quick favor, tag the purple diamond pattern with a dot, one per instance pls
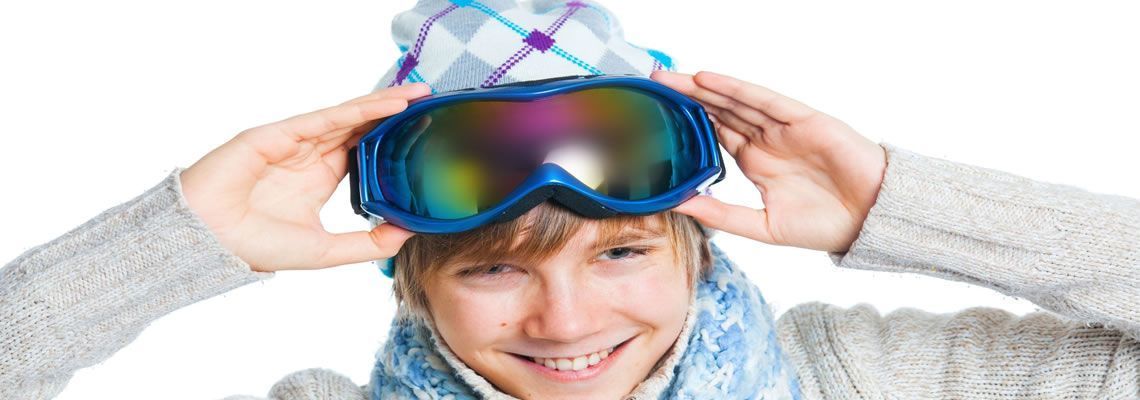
(406, 68)
(498, 24)
(539, 40)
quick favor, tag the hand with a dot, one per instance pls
(261, 192)
(818, 178)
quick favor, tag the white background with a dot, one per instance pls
(100, 100)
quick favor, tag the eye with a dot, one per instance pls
(618, 253)
(498, 269)
(487, 271)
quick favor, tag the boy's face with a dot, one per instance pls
(571, 310)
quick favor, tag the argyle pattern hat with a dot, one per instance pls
(459, 44)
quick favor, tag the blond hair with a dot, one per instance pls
(537, 235)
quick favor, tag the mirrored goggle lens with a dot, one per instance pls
(460, 160)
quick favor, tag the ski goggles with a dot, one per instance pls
(600, 145)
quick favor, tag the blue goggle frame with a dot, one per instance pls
(548, 181)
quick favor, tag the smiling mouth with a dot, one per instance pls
(576, 363)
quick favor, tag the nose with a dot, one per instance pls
(564, 310)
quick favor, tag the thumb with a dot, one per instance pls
(743, 221)
(383, 241)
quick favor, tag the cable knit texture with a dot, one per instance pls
(74, 301)
(1072, 252)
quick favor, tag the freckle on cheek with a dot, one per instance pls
(503, 324)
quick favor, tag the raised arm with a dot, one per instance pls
(824, 185)
(76, 300)
(1070, 251)
(246, 209)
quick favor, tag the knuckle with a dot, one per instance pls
(327, 123)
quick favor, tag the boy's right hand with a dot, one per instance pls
(262, 191)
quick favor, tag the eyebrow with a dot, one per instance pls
(626, 236)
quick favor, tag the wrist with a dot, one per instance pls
(194, 205)
(868, 192)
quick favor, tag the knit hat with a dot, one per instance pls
(459, 44)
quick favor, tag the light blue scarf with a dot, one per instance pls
(731, 353)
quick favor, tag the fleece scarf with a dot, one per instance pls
(727, 350)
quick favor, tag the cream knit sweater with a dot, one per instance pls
(76, 300)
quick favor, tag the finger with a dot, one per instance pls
(346, 139)
(708, 98)
(730, 138)
(758, 121)
(782, 108)
(383, 241)
(742, 221)
(328, 120)
(407, 91)
(278, 141)
(337, 157)
(349, 136)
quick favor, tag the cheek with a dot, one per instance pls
(659, 297)
(471, 321)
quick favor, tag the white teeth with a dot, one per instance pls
(580, 364)
(574, 364)
(594, 359)
(564, 364)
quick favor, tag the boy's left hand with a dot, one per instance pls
(818, 178)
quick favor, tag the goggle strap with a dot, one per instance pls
(354, 183)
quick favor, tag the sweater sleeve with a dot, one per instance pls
(312, 384)
(77, 299)
(1072, 252)
(977, 353)
(1069, 251)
